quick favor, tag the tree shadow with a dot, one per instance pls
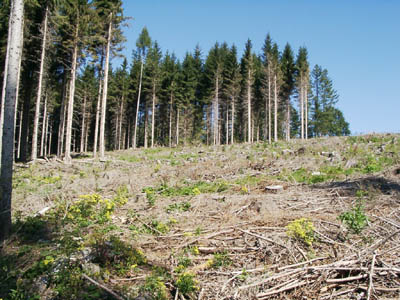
(350, 187)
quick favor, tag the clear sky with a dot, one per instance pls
(358, 41)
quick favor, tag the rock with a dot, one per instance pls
(301, 151)
(91, 268)
(316, 173)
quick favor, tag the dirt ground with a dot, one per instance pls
(233, 204)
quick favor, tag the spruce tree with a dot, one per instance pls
(288, 84)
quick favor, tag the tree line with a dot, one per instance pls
(61, 94)
(71, 100)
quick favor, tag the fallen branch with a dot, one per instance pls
(371, 274)
(103, 287)
(347, 279)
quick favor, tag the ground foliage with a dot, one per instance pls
(200, 223)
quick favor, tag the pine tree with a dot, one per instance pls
(7, 150)
(288, 84)
(302, 75)
(142, 44)
(247, 71)
(267, 60)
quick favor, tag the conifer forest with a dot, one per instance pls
(228, 173)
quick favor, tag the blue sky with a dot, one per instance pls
(358, 41)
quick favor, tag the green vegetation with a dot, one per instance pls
(355, 218)
(302, 230)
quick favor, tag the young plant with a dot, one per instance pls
(355, 219)
(301, 229)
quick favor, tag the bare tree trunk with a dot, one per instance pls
(121, 116)
(39, 90)
(105, 87)
(137, 106)
(19, 134)
(44, 126)
(153, 111)
(215, 112)
(50, 139)
(302, 106)
(227, 125)
(83, 123)
(177, 126)
(275, 110)
(269, 107)
(87, 134)
(306, 110)
(146, 122)
(170, 120)
(233, 120)
(3, 91)
(71, 99)
(7, 157)
(116, 131)
(249, 107)
(288, 120)
(46, 132)
(61, 127)
(96, 126)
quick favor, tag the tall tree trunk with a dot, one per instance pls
(302, 106)
(288, 120)
(177, 126)
(3, 91)
(87, 134)
(227, 125)
(249, 107)
(19, 135)
(146, 123)
(306, 110)
(39, 90)
(105, 88)
(153, 112)
(170, 120)
(44, 126)
(233, 120)
(7, 157)
(83, 123)
(46, 133)
(71, 99)
(61, 126)
(121, 116)
(269, 107)
(96, 126)
(137, 106)
(50, 139)
(275, 110)
(216, 112)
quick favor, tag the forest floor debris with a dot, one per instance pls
(210, 223)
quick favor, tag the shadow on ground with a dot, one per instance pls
(350, 187)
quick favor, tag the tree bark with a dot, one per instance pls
(39, 90)
(146, 122)
(137, 107)
(275, 110)
(3, 91)
(306, 110)
(177, 126)
(7, 157)
(233, 120)
(19, 135)
(71, 97)
(170, 120)
(61, 126)
(153, 111)
(44, 126)
(83, 124)
(302, 106)
(269, 106)
(288, 120)
(46, 133)
(249, 107)
(96, 127)
(105, 87)
(121, 116)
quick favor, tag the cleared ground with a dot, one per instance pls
(318, 219)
